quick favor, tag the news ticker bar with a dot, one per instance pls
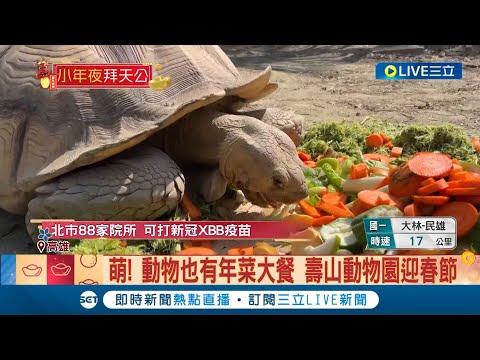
(167, 270)
(381, 233)
(314, 299)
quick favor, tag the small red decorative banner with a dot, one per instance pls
(102, 75)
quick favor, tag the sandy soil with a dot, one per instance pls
(338, 82)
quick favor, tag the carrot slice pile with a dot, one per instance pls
(368, 199)
(465, 213)
(433, 165)
(470, 191)
(429, 181)
(308, 209)
(403, 182)
(334, 197)
(433, 188)
(334, 210)
(431, 200)
(464, 184)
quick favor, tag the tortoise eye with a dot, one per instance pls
(278, 182)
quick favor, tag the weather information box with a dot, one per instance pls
(428, 233)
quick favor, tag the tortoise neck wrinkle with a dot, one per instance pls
(204, 138)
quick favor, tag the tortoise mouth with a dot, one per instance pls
(261, 199)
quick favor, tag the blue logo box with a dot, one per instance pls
(418, 71)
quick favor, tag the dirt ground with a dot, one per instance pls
(338, 82)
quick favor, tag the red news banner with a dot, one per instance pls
(249, 270)
(243, 270)
(100, 76)
(211, 230)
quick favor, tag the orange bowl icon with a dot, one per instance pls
(32, 270)
(88, 282)
(61, 269)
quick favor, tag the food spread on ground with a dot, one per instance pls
(355, 171)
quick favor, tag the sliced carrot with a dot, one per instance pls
(429, 181)
(403, 182)
(334, 210)
(334, 197)
(369, 197)
(426, 209)
(433, 188)
(428, 164)
(464, 184)
(384, 159)
(465, 213)
(385, 138)
(456, 167)
(470, 191)
(304, 156)
(457, 175)
(308, 209)
(372, 198)
(396, 152)
(389, 145)
(323, 220)
(431, 200)
(359, 207)
(383, 183)
(189, 208)
(476, 144)
(383, 199)
(344, 207)
(240, 251)
(455, 162)
(299, 221)
(474, 200)
(310, 164)
(358, 171)
(374, 140)
(197, 251)
(412, 210)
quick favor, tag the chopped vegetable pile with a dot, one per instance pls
(398, 182)
(348, 138)
(353, 172)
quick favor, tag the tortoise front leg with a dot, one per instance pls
(140, 184)
(287, 121)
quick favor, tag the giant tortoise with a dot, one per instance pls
(125, 154)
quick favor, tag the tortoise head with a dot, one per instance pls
(264, 164)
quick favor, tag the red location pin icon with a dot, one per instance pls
(41, 245)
